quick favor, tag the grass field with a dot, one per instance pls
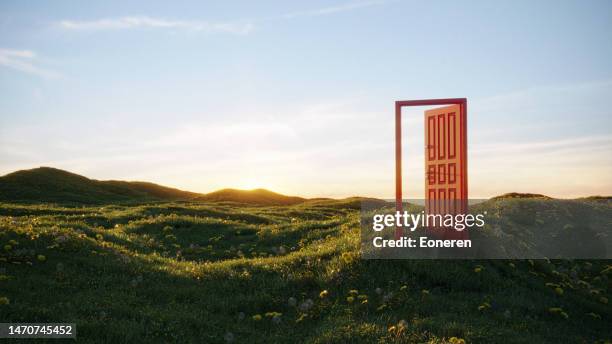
(221, 272)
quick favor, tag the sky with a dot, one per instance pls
(298, 97)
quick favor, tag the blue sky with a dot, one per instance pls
(298, 96)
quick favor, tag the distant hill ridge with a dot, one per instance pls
(47, 184)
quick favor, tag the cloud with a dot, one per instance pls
(22, 60)
(136, 22)
(335, 9)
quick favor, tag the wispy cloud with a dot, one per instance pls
(135, 22)
(24, 61)
(335, 9)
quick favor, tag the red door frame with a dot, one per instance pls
(398, 140)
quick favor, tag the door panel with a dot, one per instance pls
(446, 150)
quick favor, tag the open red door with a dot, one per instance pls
(445, 164)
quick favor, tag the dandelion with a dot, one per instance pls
(594, 315)
(477, 270)
(256, 317)
(323, 294)
(455, 340)
(41, 258)
(484, 306)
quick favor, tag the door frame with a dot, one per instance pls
(399, 104)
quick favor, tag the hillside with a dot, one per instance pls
(221, 273)
(51, 185)
(257, 196)
(46, 184)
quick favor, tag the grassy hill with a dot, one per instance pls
(217, 273)
(257, 196)
(46, 184)
(51, 185)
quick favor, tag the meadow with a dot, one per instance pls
(218, 272)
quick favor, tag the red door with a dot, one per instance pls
(445, 156)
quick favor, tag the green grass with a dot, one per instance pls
(192, 273)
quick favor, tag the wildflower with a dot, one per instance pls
(484, 306)
(402, 324)
(4, 300)
(323, 294)
(594, 315)
(41, 258)
(292, 302)
(477, 270)
(256, 317)
(455, 340)
(229, 337)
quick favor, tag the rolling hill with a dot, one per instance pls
(46, 184)
(257, 196)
